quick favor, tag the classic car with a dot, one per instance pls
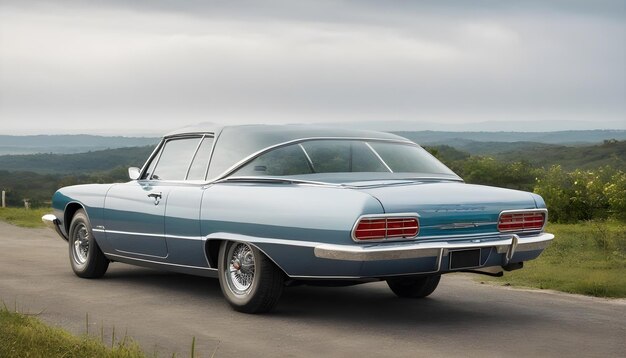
(262, 207)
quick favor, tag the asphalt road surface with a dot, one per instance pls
(164, 311)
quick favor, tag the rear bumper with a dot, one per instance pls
(510, 245)
(52, 222)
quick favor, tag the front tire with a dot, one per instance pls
(86, 258)
(250, 282)
(414, 287)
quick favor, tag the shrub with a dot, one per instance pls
(583, 195)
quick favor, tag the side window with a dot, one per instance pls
(288, 160)
(342, 157)
(409, 159)
(201, 161)
(175, 158)
(150, 169)
(329, 156)
(364, 160)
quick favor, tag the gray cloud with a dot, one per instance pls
(147, 67)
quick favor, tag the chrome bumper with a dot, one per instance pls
(509, 244)
(52, 222)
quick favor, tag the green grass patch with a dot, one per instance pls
(24, 217)
(587, 258)
(26, 336)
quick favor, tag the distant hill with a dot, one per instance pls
(493, 148)
(472, 142)
(611, 153)
(458, 139)
(67, 143)
(584, 156)
(80, 163)
(484, 126)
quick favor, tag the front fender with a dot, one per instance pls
(89, 197)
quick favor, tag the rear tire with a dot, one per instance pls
(86, 258)
(250, 282)
(414, 287)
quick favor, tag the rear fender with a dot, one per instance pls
(275, 249)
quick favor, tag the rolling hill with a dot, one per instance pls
(67, 144)
(80, 163)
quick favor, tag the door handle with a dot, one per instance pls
(156, 197)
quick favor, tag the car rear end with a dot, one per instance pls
(439, 227)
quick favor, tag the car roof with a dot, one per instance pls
(237, 144)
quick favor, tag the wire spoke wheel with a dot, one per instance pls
(81, 244)
(241, 268)
(86, 258)
(250, 281)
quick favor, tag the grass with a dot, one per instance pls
(30, 218)
(26, 336)
(587, 258)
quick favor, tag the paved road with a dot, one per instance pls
(163, 311)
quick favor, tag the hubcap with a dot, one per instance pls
(81, 244)
(240, 274)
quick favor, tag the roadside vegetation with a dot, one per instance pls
(587, 258)
(26, 336)
(587, 215)
(30, 218)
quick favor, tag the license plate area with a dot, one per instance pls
(464, 259)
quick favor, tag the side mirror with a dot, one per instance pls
(133, 173)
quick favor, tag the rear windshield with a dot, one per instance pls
(343, 156)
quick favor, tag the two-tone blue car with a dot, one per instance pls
(262, 207)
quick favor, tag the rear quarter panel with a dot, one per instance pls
(285, 221)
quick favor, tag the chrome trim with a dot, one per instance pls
(194, 156)
(146, 255)
(152, 156)
(150, 235)
(263, 240)
(483, 235)
(385, 216)
(216, 136)
(401, 181)
(269, 179)
(379, 157)
(178, 137)
(510, 243)
(516, 211)
(330, 278)
(308, 158)
(254, 241)
(453, 226)
(53, 223)
(159, 262)
(134, 173)
(511, 251)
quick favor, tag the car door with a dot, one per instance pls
(182, 214)
(134, 212)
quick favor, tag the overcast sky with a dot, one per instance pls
(145, 67)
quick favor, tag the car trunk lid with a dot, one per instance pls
(450, 208)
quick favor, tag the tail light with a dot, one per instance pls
(383, 228)
(521, 221)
